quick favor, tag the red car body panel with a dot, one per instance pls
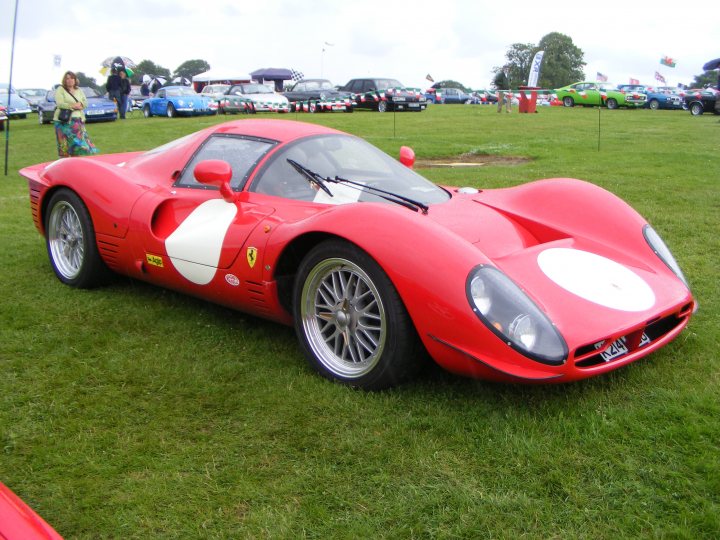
(136, 209)
(20, 522)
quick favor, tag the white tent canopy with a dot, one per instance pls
(219, 76)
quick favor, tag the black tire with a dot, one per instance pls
(568, 101)
(349, 109)
(654, 104)
(70, 241)
(382, 106)
(612, 103)
(696, 108)
(146, 111)
(313, 107)
(351, 322)
(170, 111)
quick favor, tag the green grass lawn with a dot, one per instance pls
(134, 412)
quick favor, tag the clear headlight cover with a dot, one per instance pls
(663, 252)
(508, 312)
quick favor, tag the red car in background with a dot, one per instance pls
(552, 281)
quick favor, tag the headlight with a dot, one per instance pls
(506, 310)
(663, 252)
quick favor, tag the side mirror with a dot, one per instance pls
(218, 173)
(407, 156)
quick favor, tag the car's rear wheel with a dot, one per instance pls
(612, 103)
(312, 107)
(351, 322)
(382, 106)
(171, 112)
(568, 101)
(654, 104)
(70, 240)
(696, 109)
(146, 111)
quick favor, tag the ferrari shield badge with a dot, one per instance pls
(251, 256)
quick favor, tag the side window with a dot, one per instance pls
(161, 94)
(242, 154)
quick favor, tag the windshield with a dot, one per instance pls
(181, 91)
(89, 92)
(350, 158)
(255, 89)
(384, 84)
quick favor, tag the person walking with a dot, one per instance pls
(114, 87)
(124, 93)
(72, 137)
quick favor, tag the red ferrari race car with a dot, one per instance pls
(552, 281)
(20, 522)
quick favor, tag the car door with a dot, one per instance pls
(159, 104)
(189, 237)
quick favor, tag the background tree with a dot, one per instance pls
(563, 62)
(451, 84)
(190, 68)
(84, 80)
(709, 77)
(515, 71)
(147, 67)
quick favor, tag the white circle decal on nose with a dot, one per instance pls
(597, 279)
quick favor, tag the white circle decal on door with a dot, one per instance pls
(597, 279)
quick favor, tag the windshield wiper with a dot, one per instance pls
(318, 180)
(407, 202)
(313, 177)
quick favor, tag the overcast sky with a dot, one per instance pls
(342, 39)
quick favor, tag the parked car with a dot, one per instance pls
(33, 96)
(380, 94)
(15, 106)
(173, 101)
(234, 104)
(136, 98)
(215, 91)
(99, 109)
(262, 97)
(595, 94)
(20, 522)
(455, 95)
(318, 95)
(372, 263)
(656, 99)
(702, 100)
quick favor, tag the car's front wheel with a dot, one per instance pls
(171, 112)
(351, 322)
(382, 106)
(70, 239)
(612, 103)
(654, 104)
(696, 109)
(146, 111)
(568, 101)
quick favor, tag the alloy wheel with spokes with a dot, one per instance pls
(351, 322)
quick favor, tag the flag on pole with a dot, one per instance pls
(429, 78)
(667, 61)
(601, 77)
(535, 68)
(659, 77)
(297, 75)
(634, 81)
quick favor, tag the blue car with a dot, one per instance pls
(99, 108)
(656, 98)
(172, 101)
(18, 107)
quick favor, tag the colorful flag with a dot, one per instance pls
(667, 61)
(634, 81)
(297, 75)
(429, 78)
(659, 77)
(600, 77)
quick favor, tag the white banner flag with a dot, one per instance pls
(535, 69)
